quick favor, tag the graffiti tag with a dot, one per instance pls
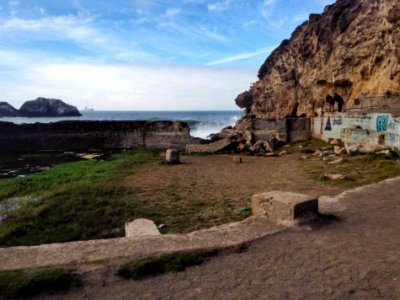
(337, 122)
(382, 123)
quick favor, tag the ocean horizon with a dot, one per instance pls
(202, 123)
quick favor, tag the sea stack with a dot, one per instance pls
(43, 107)
(352, 48)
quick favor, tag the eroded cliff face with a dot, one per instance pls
(352, 48)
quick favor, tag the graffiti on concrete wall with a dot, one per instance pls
(337, 121)
(328, 126)
(382, 123)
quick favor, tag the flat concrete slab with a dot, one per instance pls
(282, 206)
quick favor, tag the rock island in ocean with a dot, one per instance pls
(41, 107)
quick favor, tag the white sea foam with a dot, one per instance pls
(205, 129)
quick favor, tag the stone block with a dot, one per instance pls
(237, 159)
(282, 206)
(172, 156)
(140, 227)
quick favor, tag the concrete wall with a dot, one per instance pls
(86, 135)
(286, 130)
(298, 129)
(371, 130)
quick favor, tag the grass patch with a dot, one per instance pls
(20, 283)
(74, 175)
(175, 262)
(73, 201)
(315, 144)
(359, 169)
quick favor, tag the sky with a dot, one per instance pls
(141, 54)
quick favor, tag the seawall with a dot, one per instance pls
(89, 135)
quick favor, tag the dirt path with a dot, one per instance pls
(356, 258)
(218, 176)
(210, 190)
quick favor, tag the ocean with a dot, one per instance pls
(201, 123)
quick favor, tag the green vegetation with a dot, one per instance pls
(93, 199)
(175, 262)
(30, 283)
(359, 169)
(73, 201)
(315, 144)
(74, 175)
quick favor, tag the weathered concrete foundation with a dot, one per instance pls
(88, 135)
(283, 206)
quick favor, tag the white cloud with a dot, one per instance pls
(219, 6)
(268, 8)
(76, 28)
(123, 87)
(172, 12)
(242, 56)
(63, 27)
(249, 23)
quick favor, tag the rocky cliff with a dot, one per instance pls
(352, 48)
(6, 110)
(43, 107)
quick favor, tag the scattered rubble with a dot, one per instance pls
(237, 159)
(335, 177)
(336, 161)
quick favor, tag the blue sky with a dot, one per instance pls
(140, 54)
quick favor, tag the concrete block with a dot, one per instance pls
(172, 156)
(237, 159)
(282, 206)
(140, 227)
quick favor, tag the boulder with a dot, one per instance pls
(336, 142)
(339, 150)
(140, 227)
(43, 107)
